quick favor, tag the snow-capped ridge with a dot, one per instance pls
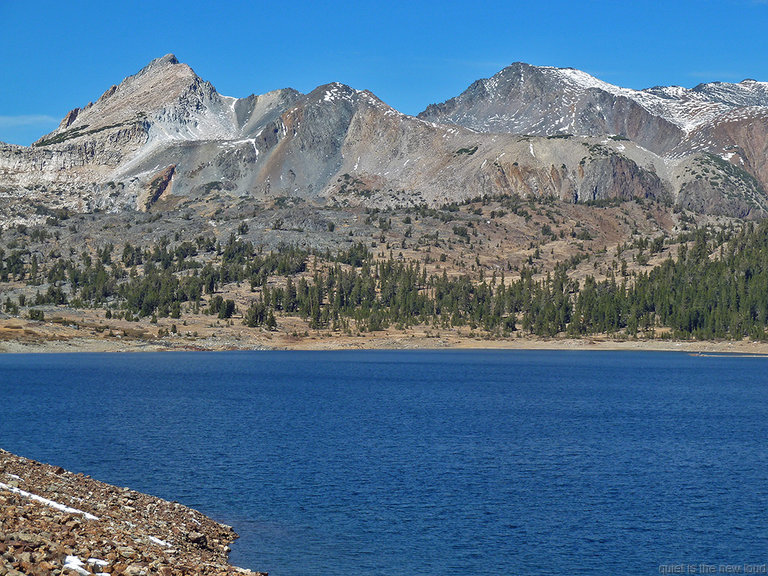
(546, 100)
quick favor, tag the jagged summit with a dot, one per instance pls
(162, 62)
(167, 59)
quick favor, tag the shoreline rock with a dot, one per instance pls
(60, 523)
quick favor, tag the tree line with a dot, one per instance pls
(717, 287)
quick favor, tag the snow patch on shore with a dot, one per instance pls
(74, 563)
(47, 502)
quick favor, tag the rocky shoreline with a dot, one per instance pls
(57, 522)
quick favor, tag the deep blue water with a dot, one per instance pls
(421, 463)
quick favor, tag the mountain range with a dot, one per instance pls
(164, 139)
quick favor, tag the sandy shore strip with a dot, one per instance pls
(82, 331)
(382, 342)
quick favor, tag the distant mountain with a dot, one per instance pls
(164, 138)
(726, 120)
(545, 101)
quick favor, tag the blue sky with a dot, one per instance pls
(60, 55)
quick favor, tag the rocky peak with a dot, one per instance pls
(164, 100)
(156, 85)
(167, 60)
(158, 65)
(334, 92)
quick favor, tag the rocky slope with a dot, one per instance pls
(57, 522)
(165, 139)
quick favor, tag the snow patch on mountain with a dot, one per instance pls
(685, 108)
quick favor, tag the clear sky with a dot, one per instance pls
(58, 55)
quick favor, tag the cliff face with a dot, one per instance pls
(528, 130)
(739, 136)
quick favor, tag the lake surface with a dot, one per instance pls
(421, 462)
